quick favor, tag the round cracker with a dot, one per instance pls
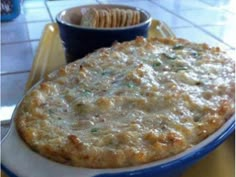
(134, 18)
(118, 17)
(107, 19)
(109, 22)
(138, 17)
(101, 19)
(89, 19)
(129, 15)
(96, 18)
(123, 18)
(113, 18)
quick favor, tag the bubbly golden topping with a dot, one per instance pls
(130, 104)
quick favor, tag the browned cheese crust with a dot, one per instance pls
(133, 103)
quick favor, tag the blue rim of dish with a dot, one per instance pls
(191, 156)
(148, 20)
(7, 171)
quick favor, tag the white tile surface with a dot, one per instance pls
(228, 5)
(34, 46)
(12, 90)
(33, 3)
(175, 5)
(35, 30)
(14, 33)
(31, 15)
(227, 34)
(22, 32)
(196, 35)
(16, 57)
(212, 16)
(36, 14)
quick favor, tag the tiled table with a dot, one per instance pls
(211, 21)
(208, 21)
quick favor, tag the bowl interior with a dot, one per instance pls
(73, 15)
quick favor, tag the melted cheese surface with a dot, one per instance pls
(130, 104)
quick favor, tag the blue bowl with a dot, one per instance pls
(78, 41)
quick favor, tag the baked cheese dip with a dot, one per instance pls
(133, 103)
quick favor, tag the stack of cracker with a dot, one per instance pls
(110, 18)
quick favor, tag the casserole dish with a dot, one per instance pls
(168, 167)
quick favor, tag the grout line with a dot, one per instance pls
(24, 22)
(39, 7)
(205, 25)
(19, 42)
(207, 3)
(48, 10)
(180, 27)
(14, 72)
(216, 25)
(211, 8)
(194, 25)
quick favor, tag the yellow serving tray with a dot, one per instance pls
(50, 56)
